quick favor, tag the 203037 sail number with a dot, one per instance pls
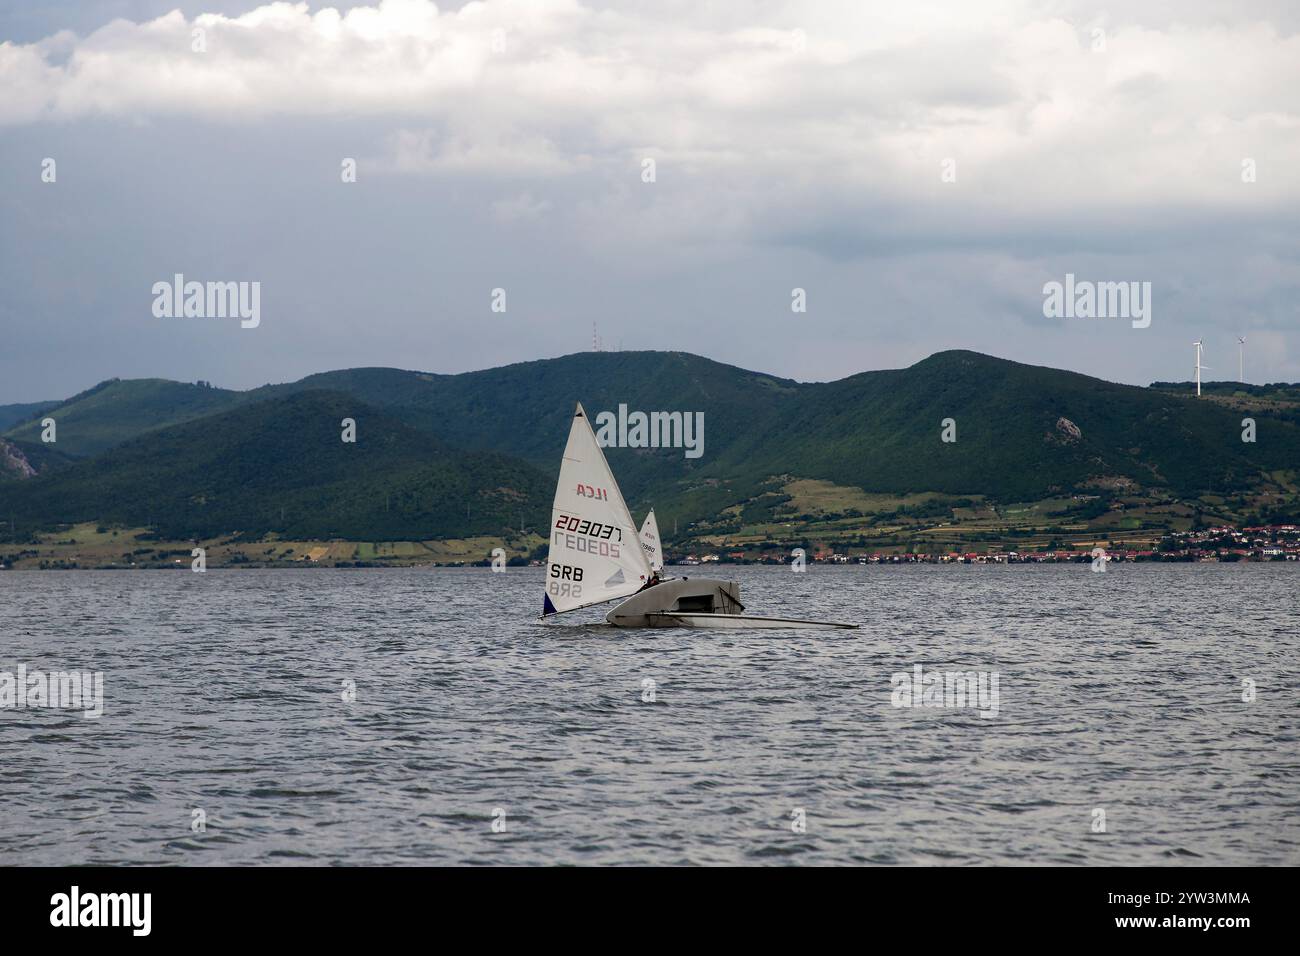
(595, 529)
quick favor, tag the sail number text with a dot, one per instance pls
(594, 529)
(568, 583)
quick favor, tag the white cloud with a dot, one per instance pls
(797, 144)
(846, 96)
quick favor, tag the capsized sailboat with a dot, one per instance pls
(596, 555)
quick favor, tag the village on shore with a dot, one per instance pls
(90, 547)
(1265, 543)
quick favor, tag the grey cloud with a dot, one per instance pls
(820, 173)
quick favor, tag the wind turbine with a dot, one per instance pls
(1199, 366)
(1241, 359)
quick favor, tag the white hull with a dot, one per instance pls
(741, 622)
(699, 602)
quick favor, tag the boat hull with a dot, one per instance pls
(684, 595)
(699, 602)
(742, 622)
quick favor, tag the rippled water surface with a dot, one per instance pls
(224, 692)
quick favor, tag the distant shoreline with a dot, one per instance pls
(90, 546)
(674, 570)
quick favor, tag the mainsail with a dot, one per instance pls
(650, 542)
(595, 552)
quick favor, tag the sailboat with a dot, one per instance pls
(650, 542)
(597, 555)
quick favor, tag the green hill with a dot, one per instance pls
(1022, 432)
(1279, 400)
(525, 409)
(174, 454)
(11, 415)
(520, 410)
(281, 467)
(20, 460)
(115, 411)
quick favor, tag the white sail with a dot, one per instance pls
(650, 541)
(595, 552)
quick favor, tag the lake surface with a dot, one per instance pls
(224, 692)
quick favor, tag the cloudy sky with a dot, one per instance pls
(503, 144)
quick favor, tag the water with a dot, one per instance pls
(1120, 691)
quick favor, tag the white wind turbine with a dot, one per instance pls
(1241, 359)
(1199, 366)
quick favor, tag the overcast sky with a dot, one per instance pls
(502, 145)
